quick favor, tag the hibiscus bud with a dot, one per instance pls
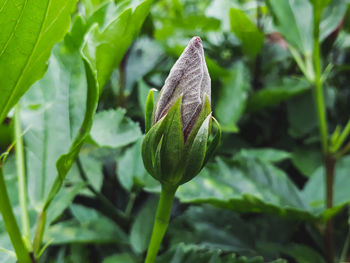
(188, 77)
(175, 147)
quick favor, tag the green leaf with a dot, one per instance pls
(131, 171)
(307, 159)
(270, 155)
(191, 253)
(303, 254)
(314, 190)
(125, 258)
(66, 160)
(112, 129)
(302, 116)
(332, 16)
(247, 32)
(62, 201)
(277, 92)
(246, 185)
(29, 29)
(89, 226)
(232, 98)
(294, 19)
(106, 49)
(52, 111)
(141, 229)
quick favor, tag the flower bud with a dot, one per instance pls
(175, 147)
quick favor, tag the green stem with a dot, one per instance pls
(40, 228)
(21, 174)
(161, 222)
(11, 223)
(329, 160)
(130, 204)
(318, 91)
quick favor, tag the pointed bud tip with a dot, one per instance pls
(196, 41)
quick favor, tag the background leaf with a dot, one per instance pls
(29, 31)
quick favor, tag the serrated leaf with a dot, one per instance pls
(93, 228)
(113, 129)
(29, 29)
(246, 185)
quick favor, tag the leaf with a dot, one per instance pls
(88, 227)
(276, 93)
(302, 116)
(53, 118)
(141, 229)
(270, 155)
(294, 19)
(303, 254)
(247, 32)
(98, 65)
(246, 185)
(332, 16)
(29, 29)
(216, 228)
(191, 253)
(53, 111)
(62, 201)
(307, 159)
(232, 98)
(100, 47)
(314, 190)
(125, 258)
(131, 171)
(112, 129)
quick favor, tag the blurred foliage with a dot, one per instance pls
(261, 199)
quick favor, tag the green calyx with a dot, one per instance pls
(167, 155)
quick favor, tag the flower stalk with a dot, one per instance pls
(176, 145)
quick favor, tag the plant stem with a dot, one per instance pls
(40, 228)
(330, 172)
(21, 174)
(329, 160)
(11, 223)
(161, 222)
(318, 91)
(122, 80)
(130, 204)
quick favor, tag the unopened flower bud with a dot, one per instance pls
(175, 147)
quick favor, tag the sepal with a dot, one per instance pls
(197, 152)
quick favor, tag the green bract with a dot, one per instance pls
(176, 145)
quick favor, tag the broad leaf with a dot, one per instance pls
(29, 29)
(246, 184)
(247, 32)
(113, 129)
(294, 19)
(232, 98)
(276, 92)
(104, 50)
(88, 226)
(314, 190)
